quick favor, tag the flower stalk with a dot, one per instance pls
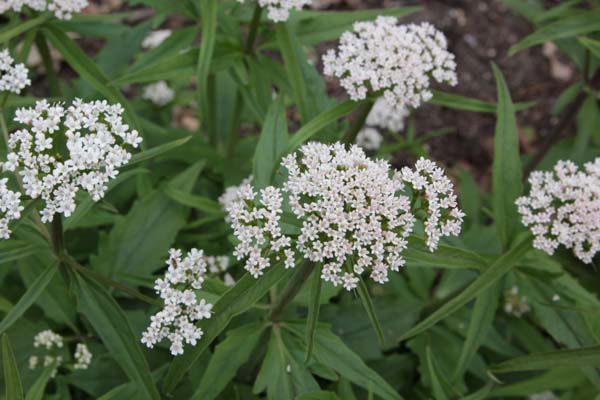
(291, 290)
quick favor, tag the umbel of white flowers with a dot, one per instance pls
(62, 9)
(279, 10)
(398, 60)
(354, 215)
(176, 321)
(96, 143)
(158, 93)
(10, 208)
(51, 342)
(563, 207)
(13, 77)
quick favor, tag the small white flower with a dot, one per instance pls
(97, 144)
(176, 321)
(48, 339)
(563, 207)
(83, 356)
(369, 139)
(232, 194)
(155, 38)
(399, 60)
(33, 362)
(515, 304)
(556, 297)
(159, 93)
(10, 208)
(279, 10)
(13, 77)
(62, 9)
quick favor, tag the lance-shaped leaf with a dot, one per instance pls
(12, 377)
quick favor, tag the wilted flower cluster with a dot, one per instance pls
(255, 223)
(82, 356)
(369, 139)
(563, 207)
(176, 321)
(279, 10)
(95, 143)
(155, 38)
(353, 214)
(13, 77)
(436, 191)
(10, 208)
(62, 9)
(159, 93)
(399, 60)
(514, 303)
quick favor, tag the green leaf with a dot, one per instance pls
(482, 318)
(157, 151)
(208, 11)
(271, 145)
(164, 68)
(16, 29)
(86, 68)
(14, 250)
(293, 68)
(205, 204)
(417, 253)
(228, 357)
(568, 358)
(507, 172)
(239, 298)
(313, 310)
(320, 395)
(458, 102)
(579, 24)
(438, 389)
(367, 302)
(551, 380)
(320, 122)
(112, 326)
(12, 377)
(481, 394)
(487, 278)
(28, 298)
(592, 45)
(37, 390)
(331, 351)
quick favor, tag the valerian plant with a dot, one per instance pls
(164, 235)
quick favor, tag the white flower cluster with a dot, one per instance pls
(563, 207)
(96, 142)
(279, 10)
(369, 139)
(232, 194)
(82, 356)
(13, 77)
(256, 225)
(385, 116)
(515, 304)
(399, 60)
(430, 183)
(218, 265)
(159, 93)
(176, 321)
(49, 341)
(155, 38)
(10, 208)
(353, 215)
(62, 9)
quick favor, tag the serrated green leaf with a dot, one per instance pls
(12, 377)
(271, 145)
(28, 298)
(487, 278)
(228, 356)
(579, 24)
(239, 298)
(507, 172)
(111, 324)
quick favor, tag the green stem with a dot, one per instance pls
(58, 238)
(252, 33)
(71, 262)
(291, 290)
(349, 136)
(51, 75)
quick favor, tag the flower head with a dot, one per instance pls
(13, 77)
(385, 116)
(82, 356)
(563, 207)
(514, 303)
(279, 10)
(182, 308)
(436, 191)
(10, 208)
(62, 9)
(155, 38)
(159, 93)
(399, 60)
(94, 143)
(48, 339)
(369, 138)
